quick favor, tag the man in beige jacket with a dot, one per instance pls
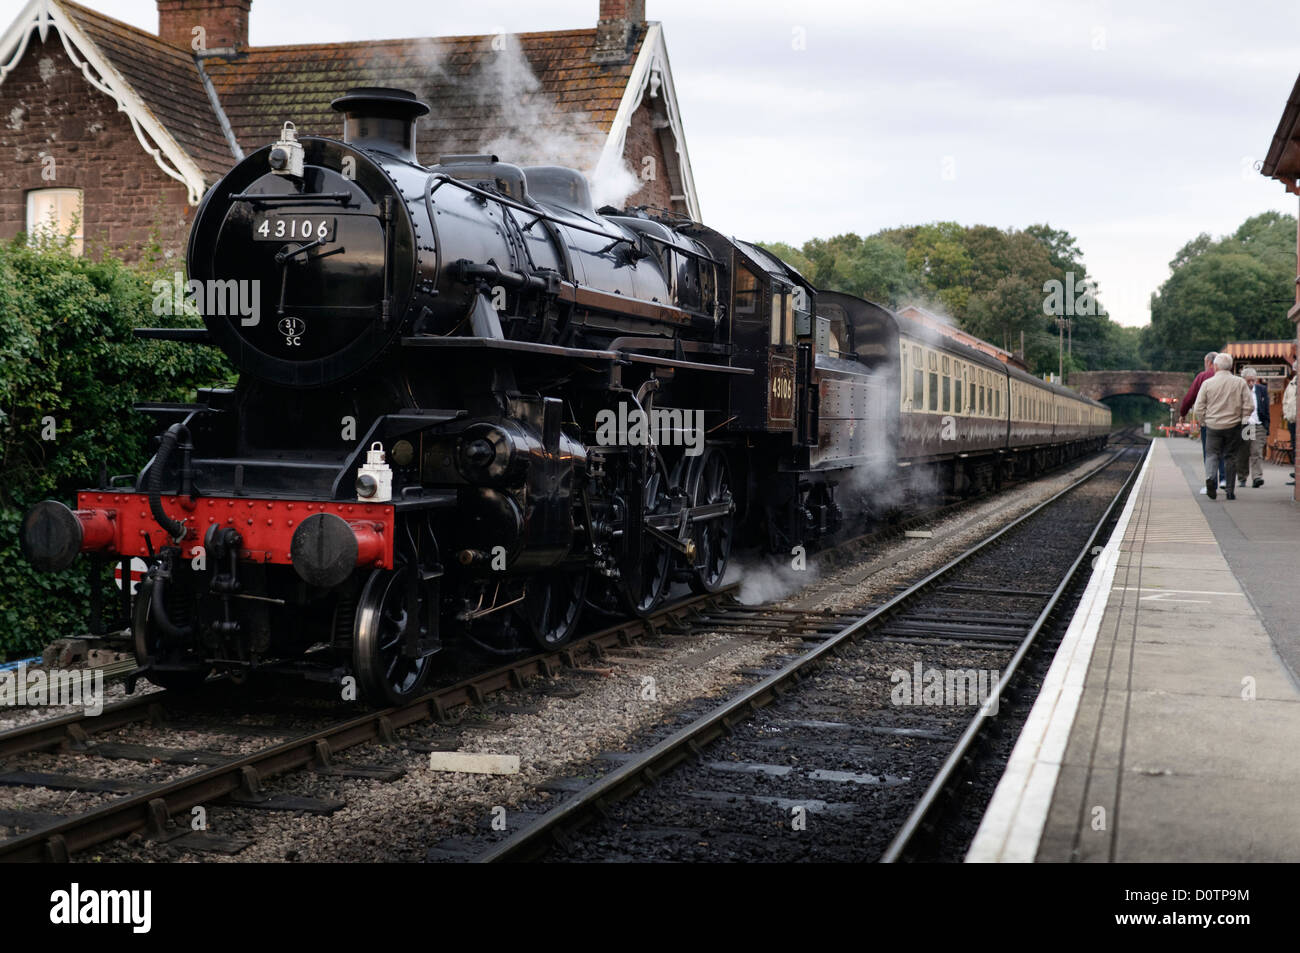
(1223, 405)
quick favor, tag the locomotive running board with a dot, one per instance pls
(526, 348)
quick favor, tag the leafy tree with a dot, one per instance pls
(70, 368)
(990, 281)
(1238, 287)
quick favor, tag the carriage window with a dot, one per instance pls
(934, 391)
(997, 403)
(902, 377)
(918, 389)
(947, 393)
(746, 296)
(957, 388)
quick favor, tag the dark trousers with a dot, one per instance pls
(1221, 454)
(1292, 426)
(1204, 432)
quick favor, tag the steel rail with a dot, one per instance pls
(55, 732)
(150, 809)
(533, 840)
(75, 726)
(948, 771)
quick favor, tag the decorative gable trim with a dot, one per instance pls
(651, 73)
(39, 17)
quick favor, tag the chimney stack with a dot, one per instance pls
(199, 25)
(617, 30)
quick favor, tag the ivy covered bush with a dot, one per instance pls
(70, 371)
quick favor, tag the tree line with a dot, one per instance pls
(1001, 284)
(1235, 288)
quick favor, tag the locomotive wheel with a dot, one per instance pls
(710, 482)
(656, 557)
(552, 607)
(150, 647)
(384, 674)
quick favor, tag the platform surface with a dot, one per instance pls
(1168, 728)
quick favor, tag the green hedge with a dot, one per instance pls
(70, 364)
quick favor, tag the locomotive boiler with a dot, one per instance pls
(472, 408)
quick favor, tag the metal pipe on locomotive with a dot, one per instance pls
(412, 455)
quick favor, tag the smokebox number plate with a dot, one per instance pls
(273, 227)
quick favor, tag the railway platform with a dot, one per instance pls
(1168, 726)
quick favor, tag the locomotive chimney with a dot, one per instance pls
(381, 118)
(204, 24)
(621, 23)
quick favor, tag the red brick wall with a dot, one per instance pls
(48, 109)
(225, 22)
(622, 10)
(642, 141)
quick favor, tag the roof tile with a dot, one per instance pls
(538, 100)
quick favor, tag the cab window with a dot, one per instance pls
(746, 296)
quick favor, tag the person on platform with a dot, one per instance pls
(1255, 433)
(1223, 405)
(1288, 412)
(1189, 399)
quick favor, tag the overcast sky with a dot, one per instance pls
(1133, 125)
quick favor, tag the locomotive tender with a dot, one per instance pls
(411, 455)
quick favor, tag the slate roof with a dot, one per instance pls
(166, 78)
(531, 97)
(1283, 159)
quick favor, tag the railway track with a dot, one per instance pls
(150, 808)
(151, 805)
(747, 779)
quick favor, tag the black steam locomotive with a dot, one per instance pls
(472, 407)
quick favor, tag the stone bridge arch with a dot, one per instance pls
(1164, 386)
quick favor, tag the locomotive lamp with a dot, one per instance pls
(286, 155)
(375, 477)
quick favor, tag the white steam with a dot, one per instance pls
(527, 127)
(768, 580)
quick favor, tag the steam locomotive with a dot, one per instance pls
(471, 408)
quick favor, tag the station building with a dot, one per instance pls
(1272, 362)
(121, 130)
(1283, 163)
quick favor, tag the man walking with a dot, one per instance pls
(1223, 405)
(1189, 399)
(1288, 413)
(1255, 434)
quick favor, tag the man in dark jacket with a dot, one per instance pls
(1255, 433)
(1189, 401)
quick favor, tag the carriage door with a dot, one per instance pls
(781, 380)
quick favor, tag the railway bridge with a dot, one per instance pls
(1164, 386)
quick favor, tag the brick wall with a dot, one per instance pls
(48, 109)
(225, 22)
(642, 141)
(622, 10)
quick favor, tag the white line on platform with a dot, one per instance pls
(1014, 821)
(1181, 592)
